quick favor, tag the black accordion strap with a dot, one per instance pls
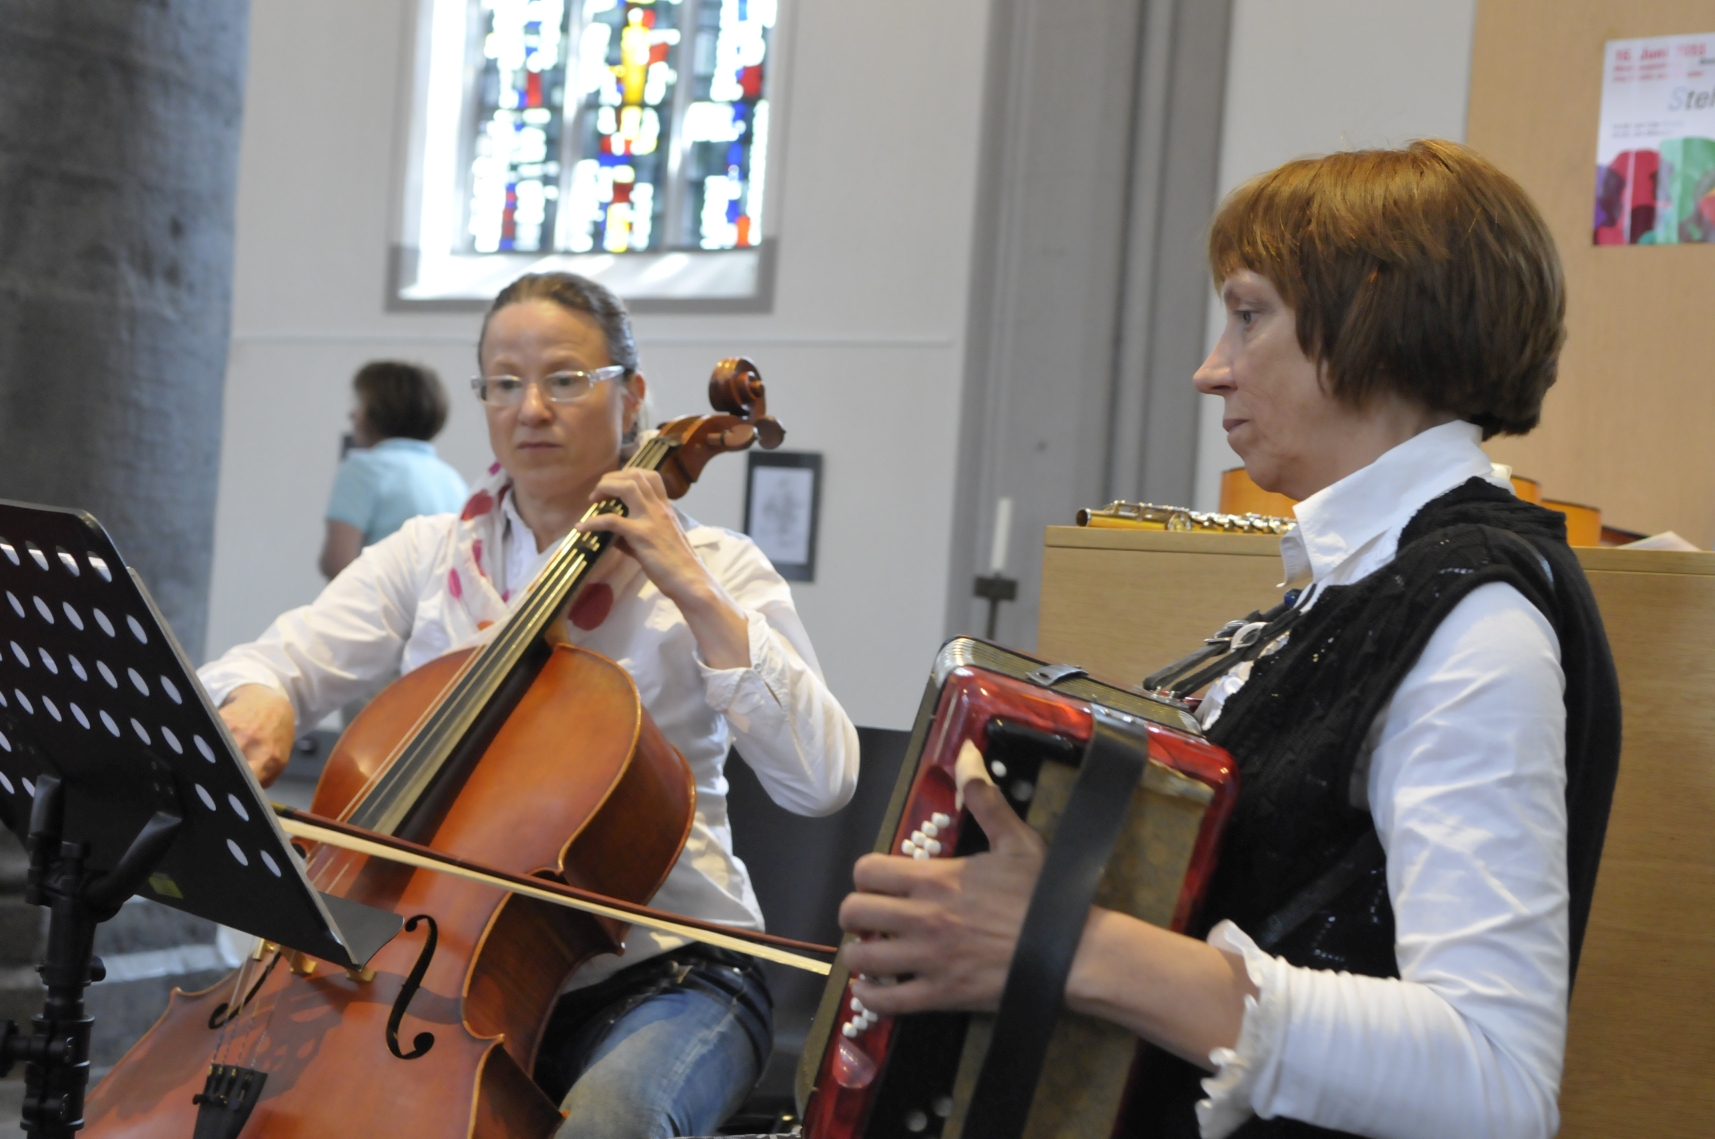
(1036, 983)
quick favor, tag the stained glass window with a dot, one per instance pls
(617, 126)
(515, 168)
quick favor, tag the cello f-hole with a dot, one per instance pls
(423, 1041)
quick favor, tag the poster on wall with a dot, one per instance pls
(1655, 147)
(781, 501)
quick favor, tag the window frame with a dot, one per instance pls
(684, 280)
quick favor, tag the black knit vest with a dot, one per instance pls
(1297, 727)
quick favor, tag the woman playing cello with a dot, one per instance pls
(668, 1039)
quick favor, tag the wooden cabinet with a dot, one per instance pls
(1641, 1052)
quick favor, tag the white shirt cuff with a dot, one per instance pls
(1254, 1063)
(221, 678)
(738, 693)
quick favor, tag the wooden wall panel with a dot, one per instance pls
(1642, 1040)
(1193, 589)
(1642, 1036)
(1628, 426)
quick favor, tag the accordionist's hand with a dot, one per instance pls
(947, 925)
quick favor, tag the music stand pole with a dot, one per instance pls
(56, 1055)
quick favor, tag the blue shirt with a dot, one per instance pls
(377, 489)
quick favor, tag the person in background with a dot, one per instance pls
(392, 473)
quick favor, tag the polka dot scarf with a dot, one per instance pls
(477, 540)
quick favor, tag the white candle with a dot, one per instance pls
(1002, 535)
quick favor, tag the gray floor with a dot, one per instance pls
(11, 1098)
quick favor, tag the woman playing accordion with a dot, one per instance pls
(1427, 734)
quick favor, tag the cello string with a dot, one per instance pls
(547, 591)
(239, 975)
(476, 684)
(552, 587)
(256, 1023)
(544, 594)
(238, 1043)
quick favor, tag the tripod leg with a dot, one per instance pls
(57, 1072)
(56, 1075)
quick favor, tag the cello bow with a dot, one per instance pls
(781, 950)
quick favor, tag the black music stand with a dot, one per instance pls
(121, 778)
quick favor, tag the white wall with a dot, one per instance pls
(1314, 76)
(862, 352)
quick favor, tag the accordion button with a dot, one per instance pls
(851, 1030)
(998, 768)
(857, 1006)
(917, 838)
(939, 819)
(919, 854)
(930, 829)
(932, 846)
(915, 1121)
(908, 847)
(853, 1067)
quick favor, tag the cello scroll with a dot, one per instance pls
(737, 392)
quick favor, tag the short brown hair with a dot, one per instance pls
(1424, 271)
(401, 401)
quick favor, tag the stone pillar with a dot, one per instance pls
(118, 167)
(119, 124)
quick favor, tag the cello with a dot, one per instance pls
(436, 1036)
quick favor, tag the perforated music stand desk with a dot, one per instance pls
(94, 689)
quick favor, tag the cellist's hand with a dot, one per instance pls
(263, 727)
(650, 532)
(951, 923)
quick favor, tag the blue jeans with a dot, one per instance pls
(668, 1047)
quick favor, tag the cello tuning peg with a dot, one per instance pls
(769, 432)
(738, 437)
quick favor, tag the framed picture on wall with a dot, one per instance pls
(782, 500)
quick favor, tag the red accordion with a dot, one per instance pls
(1131, 800)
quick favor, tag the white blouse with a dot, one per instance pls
(389, 611)
(1465, 781)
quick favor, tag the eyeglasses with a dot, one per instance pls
(558, 387)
